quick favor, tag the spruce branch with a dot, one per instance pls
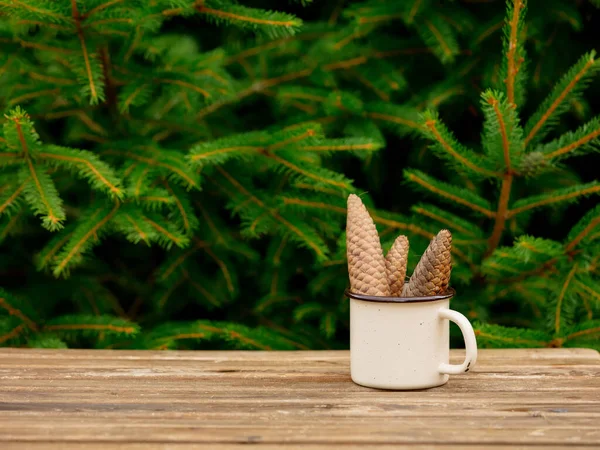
(450, 192)
(73, 325)
(300, 232)
(372, 13)
(559, 310)
(272, 24)
(9, 197)
(447, 219)
(573, 143)
(586, 332)
(13, 332)
(83, 237)
(17, 308)
(572, 193)
(42, 196)
(183, 213)
(514, 51)
(449, 148)
(583, 229)
(440, 37)
(569, 87)
(174, 164)
(11, 226)
(166, 234)
(87, 165)
(501, 132)
(504, 337)
(51, 12)
(92, 69)
(130, 221)
(400, 119)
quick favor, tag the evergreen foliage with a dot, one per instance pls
(174, 173)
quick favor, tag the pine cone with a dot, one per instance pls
(366, 264)
(395, 265)
(432, 274)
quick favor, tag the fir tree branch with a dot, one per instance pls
(448, 46)
(561, 296)
(46, 255)
(189, 220)
(166, 162)
(447, 145)
(170, 236)
(44, 47)
(308, 174)
(555, 104)
(40, 191)
(556, 196)
(316, 247)
(97, 171)
(311, 204)
(488, 334)
(11, 225)
(31, 95)
(585, 137)
(450, 192)
(4, 304)
(79, 241)
(185, 84)
(402, 119)
(582, 234)
(580, 333)
(99, 8)
(273, 24)
(9, 201)
(223, 268)
(90, 326)
(511, 57)
(501, 214)
(94, 93)
(12, 334)
(588, 290)
(449, 220)
(219, 155)
(257, 86)
(38, 11)
(341, 146)
(177, 262)
(496, 26)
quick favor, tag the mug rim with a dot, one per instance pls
(387, 299)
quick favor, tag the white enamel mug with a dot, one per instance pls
(404, 342)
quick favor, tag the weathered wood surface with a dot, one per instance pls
(91, 400)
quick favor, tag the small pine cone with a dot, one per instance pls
(366, 264)
(432, 274)
(395, 265)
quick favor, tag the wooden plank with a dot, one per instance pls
(55, 399)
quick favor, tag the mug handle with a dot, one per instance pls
(470, 343)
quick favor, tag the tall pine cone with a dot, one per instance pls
(395, 265)
(366, 264)
(432, 274)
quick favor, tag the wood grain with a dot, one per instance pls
(82, 399)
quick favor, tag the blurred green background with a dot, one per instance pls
(219, 141)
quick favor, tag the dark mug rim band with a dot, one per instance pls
(385, 299)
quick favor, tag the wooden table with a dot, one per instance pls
(81, 399)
